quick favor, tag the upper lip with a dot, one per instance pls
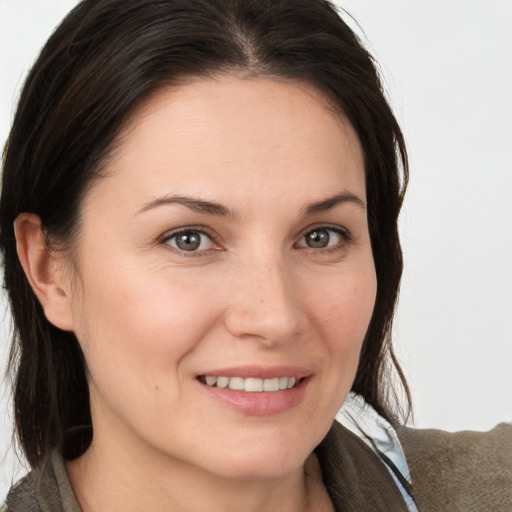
(259, 372)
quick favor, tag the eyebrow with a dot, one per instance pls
(196, 205)
(331, 202)
(212, 208)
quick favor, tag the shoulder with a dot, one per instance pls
(460, 471)
(22, 496)
(45, 489)
(354, 475)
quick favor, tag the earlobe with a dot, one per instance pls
(43, 269)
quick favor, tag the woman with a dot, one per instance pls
(199, 225)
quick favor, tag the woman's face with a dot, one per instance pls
(228, 246)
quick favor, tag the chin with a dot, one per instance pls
(274, 454)
(260, 468)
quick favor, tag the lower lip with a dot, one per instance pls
(262, 403)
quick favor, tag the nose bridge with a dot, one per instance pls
(264, 304)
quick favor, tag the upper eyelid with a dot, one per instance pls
(340, 229)
(199, 229)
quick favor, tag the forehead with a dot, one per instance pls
(222, 136)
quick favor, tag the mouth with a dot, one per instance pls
(250, 384)
(255, 390)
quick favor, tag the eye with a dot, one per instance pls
(323, 238)
(190, 240)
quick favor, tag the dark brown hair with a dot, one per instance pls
(106, 58)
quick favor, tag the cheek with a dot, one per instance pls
(343, 307)
(137, 334)
(141, 322)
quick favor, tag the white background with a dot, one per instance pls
(447, 66)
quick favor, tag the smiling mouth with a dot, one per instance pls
(250, 384)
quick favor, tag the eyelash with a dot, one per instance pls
(201, 230)
(346, 238)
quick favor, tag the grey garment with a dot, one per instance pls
(353, 474)
(460, 472)
(45, 489)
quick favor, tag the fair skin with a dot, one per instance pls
(229, 238)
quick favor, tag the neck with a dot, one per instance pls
(109, 478)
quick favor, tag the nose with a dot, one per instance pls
(264, 303)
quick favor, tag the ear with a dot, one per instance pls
(44, 271)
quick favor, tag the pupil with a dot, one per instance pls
(318, 239)
(188, 241)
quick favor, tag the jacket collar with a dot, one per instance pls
(355, 477)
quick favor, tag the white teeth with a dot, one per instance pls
(236, 383)
(271, 384)
(211, 381)
(251, 384)
(222, 382)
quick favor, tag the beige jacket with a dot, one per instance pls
(460, 472)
